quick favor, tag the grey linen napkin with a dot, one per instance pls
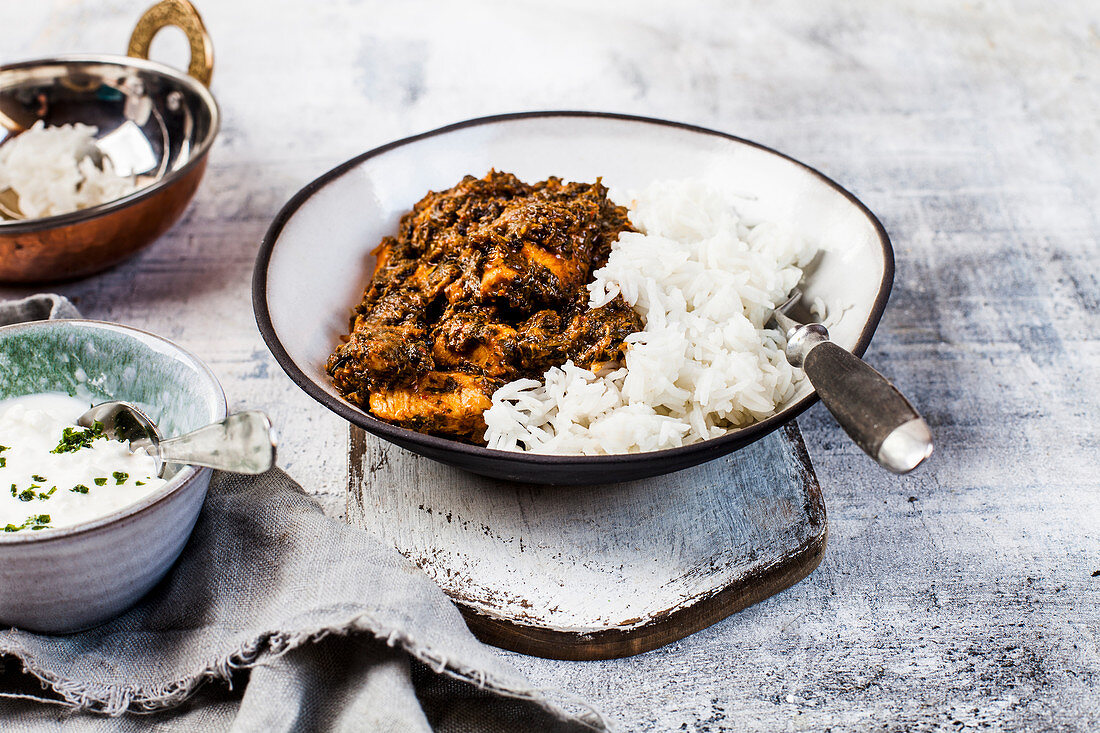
(275, 618)
(36, 308)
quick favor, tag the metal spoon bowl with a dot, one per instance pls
(245, 442)
(9, 205)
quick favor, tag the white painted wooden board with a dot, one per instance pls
(635, 558)
(969, 128)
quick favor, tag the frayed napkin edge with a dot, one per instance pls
(41, 307)
(115, 701)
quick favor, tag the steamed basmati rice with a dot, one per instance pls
(50, 170)
(704, 282)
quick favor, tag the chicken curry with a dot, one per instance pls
(483, 284)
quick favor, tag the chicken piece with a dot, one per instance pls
(441, 402)
(592, 338)
(596, 336)
(397, 308)
(465, 288)
(608, 219)
(383, 255)
(371, 359)
(540, 342)
(475, 338)
(538, 252)
(439, 222)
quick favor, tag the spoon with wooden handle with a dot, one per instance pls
(870, 409)
(242, 443)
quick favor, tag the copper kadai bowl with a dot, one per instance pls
(154, 121)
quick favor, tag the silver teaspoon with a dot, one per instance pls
(870, 409)
(242, 443)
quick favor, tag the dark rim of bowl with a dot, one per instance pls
(19, 226)
(142, 505)
(739, 437)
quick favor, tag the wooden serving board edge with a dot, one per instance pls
(616, 643)
(660, 630)
(677, 623)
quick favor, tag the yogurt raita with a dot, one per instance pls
(54, 473)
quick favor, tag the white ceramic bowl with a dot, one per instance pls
(72, 578)
(315, 260)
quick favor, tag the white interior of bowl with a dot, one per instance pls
(321, 260)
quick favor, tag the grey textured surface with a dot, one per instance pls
(969, 128)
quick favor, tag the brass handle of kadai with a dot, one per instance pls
(183, 15)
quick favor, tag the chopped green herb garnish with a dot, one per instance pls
(73, 439)
(35, 521)
(80, 489)
(48, 494)
(139, 483)
(100, 481)
(120, 477)
(4, 448)
(3, 461)
(27, 494)
(36, 477)
(14, 490)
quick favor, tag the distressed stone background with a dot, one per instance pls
(965, 596)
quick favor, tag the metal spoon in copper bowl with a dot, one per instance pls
(244, 442)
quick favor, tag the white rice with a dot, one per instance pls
(704, 282)
(51, 172)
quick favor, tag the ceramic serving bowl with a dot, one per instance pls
(154, 121)
(315, 260)
(67, 579)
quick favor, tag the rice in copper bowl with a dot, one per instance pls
(51, 170)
